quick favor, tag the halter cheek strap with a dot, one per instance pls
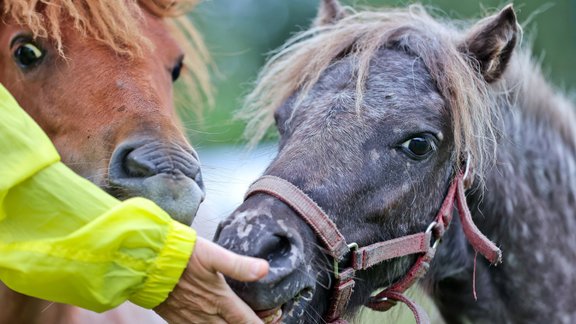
(422, 244)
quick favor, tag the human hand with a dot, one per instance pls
(202, 294)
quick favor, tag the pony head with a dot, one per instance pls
(98, 76)
(376, 111)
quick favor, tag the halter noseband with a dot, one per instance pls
(424, 244)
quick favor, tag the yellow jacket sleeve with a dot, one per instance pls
(65, 240)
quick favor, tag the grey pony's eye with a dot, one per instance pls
(28, 55)
(418, 147)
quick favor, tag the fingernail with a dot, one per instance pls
(257, 269)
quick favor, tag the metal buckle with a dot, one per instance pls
(465, 181)
(467, 169)
(429, 230)
(384, 300)
(353, 247)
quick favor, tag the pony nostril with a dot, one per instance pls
(137, 166)
(127, 163)
(274, 248)
(143, 160)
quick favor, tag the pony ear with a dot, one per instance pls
(330, 12)
(491, 43)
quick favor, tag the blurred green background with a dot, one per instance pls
(240, 33)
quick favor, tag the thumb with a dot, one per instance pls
(235, 266)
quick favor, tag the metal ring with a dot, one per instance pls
(436, 243)
(429, 230)
(431, 226)
(386, 300)
(467, 166)
(352, 246)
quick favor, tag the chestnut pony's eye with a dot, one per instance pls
(418, 147)
(176, 70)
(28, 55)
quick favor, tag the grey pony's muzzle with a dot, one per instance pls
(257, 228)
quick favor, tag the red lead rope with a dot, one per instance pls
(481, 244)
(368, 256)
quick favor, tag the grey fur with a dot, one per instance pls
(352, 164)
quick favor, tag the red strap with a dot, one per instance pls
(342, 291)
(306, 208)
(444, 216)
(479, 242)
(418, 270)
(338, 321)
(391, 297)
(371, 255)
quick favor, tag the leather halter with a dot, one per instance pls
(423, 244)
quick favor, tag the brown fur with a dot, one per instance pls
(117, 25)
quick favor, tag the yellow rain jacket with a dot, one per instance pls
(63, 239)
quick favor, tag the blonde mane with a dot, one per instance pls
(115, 23)
(298, 65)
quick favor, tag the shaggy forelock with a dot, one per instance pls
(298, 65)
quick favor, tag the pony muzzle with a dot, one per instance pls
(168, 174)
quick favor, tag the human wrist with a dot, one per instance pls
(168, 267)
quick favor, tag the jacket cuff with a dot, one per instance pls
(169, 266)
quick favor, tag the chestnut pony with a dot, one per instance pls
(97, 76)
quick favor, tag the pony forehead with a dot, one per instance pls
(115, 23)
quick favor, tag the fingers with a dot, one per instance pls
(238, 267)
(235, 310)
(179, 315)
(202, 294)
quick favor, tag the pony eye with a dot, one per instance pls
(418, 147)
(27, 55)
(176, 70)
